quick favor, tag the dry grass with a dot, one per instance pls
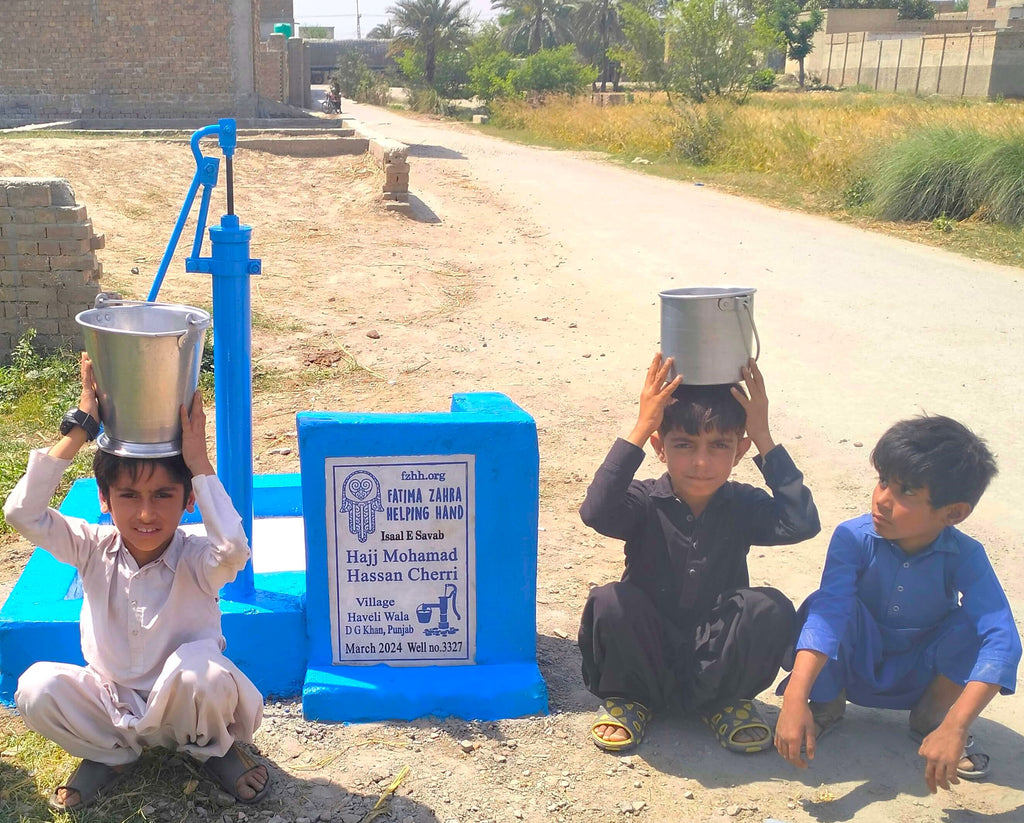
(809, 151)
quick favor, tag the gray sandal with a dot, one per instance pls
(88, 780)
(227, 769)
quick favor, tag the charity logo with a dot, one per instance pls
(360, 497)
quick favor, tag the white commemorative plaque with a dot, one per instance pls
(401, 559)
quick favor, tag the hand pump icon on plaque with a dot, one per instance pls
(444, 602)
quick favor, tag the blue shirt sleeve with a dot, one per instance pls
(833, 606)
(985, 605)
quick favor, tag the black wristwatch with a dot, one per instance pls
(84, 420)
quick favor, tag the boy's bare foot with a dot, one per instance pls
(611, 734)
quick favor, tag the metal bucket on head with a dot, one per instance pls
(145, 359)
(709, 332)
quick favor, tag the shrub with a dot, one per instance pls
(763, 80)
(1000, 178)
(930, 174)
(553, 70)
(359, 82)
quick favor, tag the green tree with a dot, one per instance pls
(642, 54)
(597, 22)
(709, 49)
(489, 65)
(553, 70)
(430, 28)
(530, 25)
(908, 9)
(791, 26)
(382, 31)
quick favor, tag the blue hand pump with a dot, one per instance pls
(231, 267)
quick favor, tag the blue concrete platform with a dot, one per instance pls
(494, 442)
(266, 634)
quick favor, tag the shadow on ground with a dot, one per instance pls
(434, 152)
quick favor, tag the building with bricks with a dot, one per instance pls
(976, 53)
(48, 267)
(128, 58)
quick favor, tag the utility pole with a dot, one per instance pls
(359, 33)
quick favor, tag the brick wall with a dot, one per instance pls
(101, 58)
(48, 267)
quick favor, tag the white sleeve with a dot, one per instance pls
(228, 549)
(27, 509)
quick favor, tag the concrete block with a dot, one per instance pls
(69, 326)
(26, 231)
(480, 119)
(35, 216)
(64, 277)
(38, 280)
(27, 192)
(46, 326)
(8, 280)
(61, 192)
(85, 262)
(34, 294)
(48, 247)
(396, 168)
(11, 326)
(8, 245)
(75, 248)
(37, 310)
(29, 262)
(6, 214)
(3, 263)
(78, 298)
(398, 181)
(15, 310)
(70, 214)
(26, 247)
(98, 241)
(400, 196)
(67, 231)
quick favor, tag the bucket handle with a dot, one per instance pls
(726, 304)
(196, 326)
(105, 299)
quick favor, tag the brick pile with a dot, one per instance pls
(394, 159)
(48, 266)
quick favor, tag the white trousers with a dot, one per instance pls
(200, 704)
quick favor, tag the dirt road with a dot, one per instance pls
(536, 273)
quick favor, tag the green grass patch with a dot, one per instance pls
(35, 392)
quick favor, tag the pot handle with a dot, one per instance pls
(196, 326)
(753, 326)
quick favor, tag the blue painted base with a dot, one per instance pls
(266, 634)
(480, 692)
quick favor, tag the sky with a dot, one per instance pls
(342, 14)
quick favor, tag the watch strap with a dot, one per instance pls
(81, 419)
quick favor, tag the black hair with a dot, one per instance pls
(937, 452)
(109, 467)
(704, 408)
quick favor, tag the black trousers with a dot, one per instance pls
(630, 650)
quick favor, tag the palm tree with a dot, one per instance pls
(382, 31)
(597, 21)
(540, 22)
(430, 26)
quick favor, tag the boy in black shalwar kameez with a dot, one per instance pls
(684, 627)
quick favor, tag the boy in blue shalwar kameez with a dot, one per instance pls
(910, 614)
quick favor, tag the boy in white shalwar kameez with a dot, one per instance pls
(150, 623)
